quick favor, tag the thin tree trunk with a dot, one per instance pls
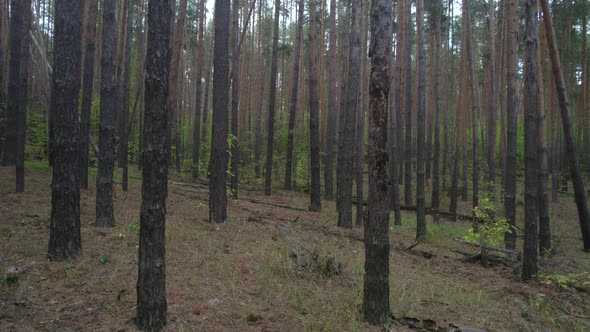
(235, 101)
(376, 282)
(106, 139)
(491, 104)
(332, 107)
(360, 119)
(345, 164)
(573, 158)
(87, 91)
(197, 117)
(151, 283)
(435, 203)
(543, 196)
(219, 157)
(396, 133)
(314, 121)
(64, 230)
(421, 72)
(474, 105)
(407, 81)
(271, 102)
(294, 96)
(124, 102)
(531, 169)
(175, 64)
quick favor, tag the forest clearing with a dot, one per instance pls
(241, 276)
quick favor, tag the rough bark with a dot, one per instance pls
(294, 95)
(18, 76)
(106, 135)
(314, 110)
(360, 117)
(151, 283)
(531, 165)
(87, 90)
(420, 138)
(512, 118)
(332, 107)
(376, 282)
(564, 105)
(64, 230)
(219, 156)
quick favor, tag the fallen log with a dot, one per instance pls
(442, 214)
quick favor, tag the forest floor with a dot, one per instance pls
(273, 266)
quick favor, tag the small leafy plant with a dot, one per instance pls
(487, 230)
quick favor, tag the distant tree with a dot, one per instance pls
(18, 76)
(420, 178)
(108, 102)
(345, 165)
(543, 196)
(64, 230)
(219, 154)
(294, 96)
(531, 164)
(272, 101)
(151, 283)
(314, 123)
(235, 99)
(564, 105)
(436, 186)
(125, 89)
(406, 50)
(332, 106)
(376, 283)
(198, 101)
(87, 90)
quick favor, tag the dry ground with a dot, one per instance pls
(240, 276)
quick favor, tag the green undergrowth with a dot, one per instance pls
(43, 166)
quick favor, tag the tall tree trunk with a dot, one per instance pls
(512, 119)
(531, 165)
(219, 157)
(543, 196)
(175, 65)
(345, 165)
(360, 119)
(151, 283)
(197, 117)
(332, 107)
(18, 76)
(435, 203)
(314, 121)
(87, 90)
(261, 84)
(376, 282)
(64, 230)
(271, 102)
(124, 102)
(474, 105)
(106, 139)
(573, 158)
(492, 107)
(294, 96)
(235, 101)
(421, 72)
(407, 82)
(395, 118)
